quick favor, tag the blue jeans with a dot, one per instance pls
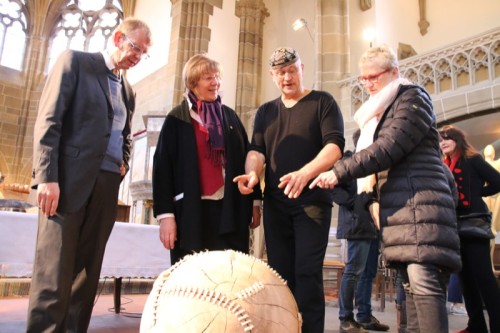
(400, 291)
(454, 289)
(357, 280)
(425, 288)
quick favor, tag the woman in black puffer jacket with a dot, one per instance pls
(400, 150)
(418, 218)
(417, 212)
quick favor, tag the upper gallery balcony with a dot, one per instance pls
(463, 78)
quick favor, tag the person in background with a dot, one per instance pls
(296, 136)
(201, 147)
(81, 152)
(357, 226)
(398, 153)
(455, 296)
(493, 201)
(401, 319)
(475, 178)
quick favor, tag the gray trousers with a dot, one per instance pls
(68, 259)
(425, 289)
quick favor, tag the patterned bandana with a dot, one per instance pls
(283, 56)
(211, 116)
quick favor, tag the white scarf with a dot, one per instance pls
(367, 117)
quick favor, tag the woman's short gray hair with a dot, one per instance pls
(383, 54)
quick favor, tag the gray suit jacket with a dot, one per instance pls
(73, 126)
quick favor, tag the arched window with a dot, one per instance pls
(85, 25)
(13, 30)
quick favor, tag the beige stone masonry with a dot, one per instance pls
(252, 15)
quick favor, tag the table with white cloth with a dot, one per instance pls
(133, 250)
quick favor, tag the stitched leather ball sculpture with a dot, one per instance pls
(217, 292)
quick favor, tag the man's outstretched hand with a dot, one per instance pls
(247, 182)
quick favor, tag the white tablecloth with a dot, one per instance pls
(133, 250)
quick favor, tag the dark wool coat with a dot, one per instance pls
(355, 220)
(475, 179)
(175, 172)
(417, 211)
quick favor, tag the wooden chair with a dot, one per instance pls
(384, 283)
(335, 258)
(336, 266)
(496, 261)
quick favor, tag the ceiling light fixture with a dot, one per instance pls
(302, 23)
(369, 35)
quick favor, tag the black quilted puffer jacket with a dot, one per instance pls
(418, 221)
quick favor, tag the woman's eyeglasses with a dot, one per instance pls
(372, 78)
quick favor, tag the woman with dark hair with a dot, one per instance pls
(475, 178)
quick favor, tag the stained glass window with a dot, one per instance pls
(85, 25)
(13, 30)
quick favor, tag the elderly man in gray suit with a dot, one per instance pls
(81, 152)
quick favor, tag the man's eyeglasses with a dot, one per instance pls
(136, 49)
(372, 78)
(281, 73)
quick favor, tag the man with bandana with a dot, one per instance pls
(296, 137)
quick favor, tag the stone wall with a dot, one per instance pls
(16, 127)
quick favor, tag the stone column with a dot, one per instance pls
(332, 49)
(42, 19)
(190, 35)
(333, 46)
(128, 7)
(252, 15)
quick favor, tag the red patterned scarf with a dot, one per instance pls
(461, 179)
(211, 116)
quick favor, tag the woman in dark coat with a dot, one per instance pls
(475, 179)
(202, 146)
(398, 152)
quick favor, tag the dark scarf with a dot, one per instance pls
(461, 174)
(211, 116)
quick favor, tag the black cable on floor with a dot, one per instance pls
(127, 314)
(99, 292)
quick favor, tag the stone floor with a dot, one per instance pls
(105, 320)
